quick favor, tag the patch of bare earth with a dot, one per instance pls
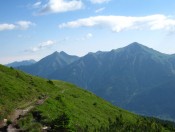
(17, 114)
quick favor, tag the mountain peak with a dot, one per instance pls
(56, 53)
(59, 56)
(135, 45)
(137, 48)
(63, 53)
(50, 63)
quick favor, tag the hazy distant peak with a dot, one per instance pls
(20, 63)
(136, 45)
(90, 53)
(63, 53)
(55, 53)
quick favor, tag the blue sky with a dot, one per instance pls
(36, 28)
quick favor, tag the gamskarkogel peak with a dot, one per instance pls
(136, 46)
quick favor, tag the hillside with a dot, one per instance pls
(64, 107)
(135, 77)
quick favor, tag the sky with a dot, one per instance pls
(36, 28)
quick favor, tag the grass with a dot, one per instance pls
(67, 108)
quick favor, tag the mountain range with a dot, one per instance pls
(135, 77)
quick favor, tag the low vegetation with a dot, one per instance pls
(65, 107)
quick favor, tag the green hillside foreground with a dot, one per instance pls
(65, 107)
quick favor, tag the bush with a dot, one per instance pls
(50, 82)
(95, 104)
(61, 123)
(9, 122)
(12, 68)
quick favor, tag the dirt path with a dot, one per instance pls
(18, 113)
(10, 128)
(22, 112)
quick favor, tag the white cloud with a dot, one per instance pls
(37, 4)
(121, 23)
(6, 26)
(21, 25)
(99, 1)
(46, 43)
(57, 6)
(100, 10)
(41, 46)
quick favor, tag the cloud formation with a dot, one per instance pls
(58, 6)
(37, 4)
(23, 25)
(20, 25)
(6, 26)
(100, 10)
(121, 23)
(41, 46)
(99, 1)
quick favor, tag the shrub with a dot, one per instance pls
(95, 104)
(50, 82)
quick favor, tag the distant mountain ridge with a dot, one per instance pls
(21, 63)
(134, 77)
(49, 64)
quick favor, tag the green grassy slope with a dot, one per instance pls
(67, 108)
